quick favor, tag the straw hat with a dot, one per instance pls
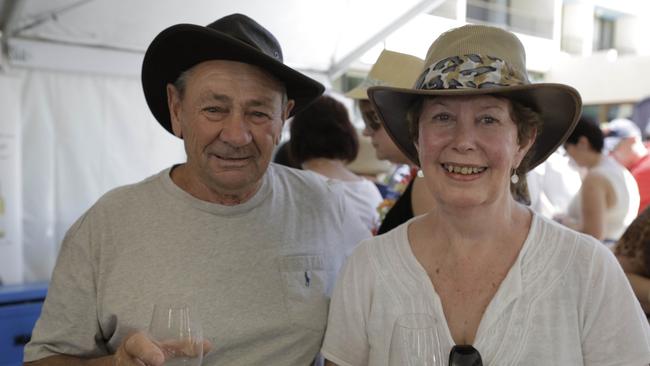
(391, 69)
(235, 37)
(480, 60)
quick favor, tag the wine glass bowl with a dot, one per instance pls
(415, 341)
(177, 331)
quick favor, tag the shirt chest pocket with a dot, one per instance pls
(305, 284)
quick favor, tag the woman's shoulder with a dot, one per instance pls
(381, 250)
(567, 248)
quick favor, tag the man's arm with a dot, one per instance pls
(136, 350)
(72, 361)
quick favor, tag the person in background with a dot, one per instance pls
(409, 196)
(633, 252)
(253, 246)
(608, 199)
(324, 141)
(283, 156)
(623, 142)
(553, 183)
(504, 285)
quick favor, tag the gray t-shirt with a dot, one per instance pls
(259, 273)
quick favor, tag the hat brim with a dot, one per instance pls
(559, 106)
(182, 46)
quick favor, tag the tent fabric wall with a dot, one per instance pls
(11, 266)
(82, 136)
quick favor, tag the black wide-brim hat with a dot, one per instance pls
(235, 37)
(480, 60)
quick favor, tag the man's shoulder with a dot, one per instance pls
(130, 192)
(303, 182)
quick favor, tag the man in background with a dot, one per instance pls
(623, 141)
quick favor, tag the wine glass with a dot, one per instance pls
(177, 331)
(415, 342)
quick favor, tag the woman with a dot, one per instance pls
(407, 196)
(608, 199)
(323, 141)
(510, 286)
(633, 252)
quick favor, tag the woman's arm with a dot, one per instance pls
(641, 287)
(594, 206)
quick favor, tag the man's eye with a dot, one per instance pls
(213, 109)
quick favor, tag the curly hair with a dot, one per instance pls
(323, 130)
(635, 242)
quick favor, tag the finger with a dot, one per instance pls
(139, 346)
(207, 346)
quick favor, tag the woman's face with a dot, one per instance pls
(468, 148)
(385, 148)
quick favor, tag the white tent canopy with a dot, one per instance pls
(322, 37)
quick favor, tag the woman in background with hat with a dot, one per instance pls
(405, 196)
(504, 285)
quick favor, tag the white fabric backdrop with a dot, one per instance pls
(11, 266)
(82, 136)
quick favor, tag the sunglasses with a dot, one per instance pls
(465, 355)
(371, 120)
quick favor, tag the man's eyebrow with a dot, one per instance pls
(210, 96)
(264, 102)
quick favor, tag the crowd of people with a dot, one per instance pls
(503, 215)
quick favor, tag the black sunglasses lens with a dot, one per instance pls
(465, 355)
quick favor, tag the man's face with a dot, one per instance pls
(230, 117)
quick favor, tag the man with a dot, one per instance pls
(623, 141)
(254, 247)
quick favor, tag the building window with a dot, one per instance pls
(604, 28)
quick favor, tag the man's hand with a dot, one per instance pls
(139, 350)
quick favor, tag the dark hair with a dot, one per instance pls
(529, 123)
(323, 130)
(283, 156)
(588, 128)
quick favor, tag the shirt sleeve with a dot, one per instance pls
(346, 340)
(353, 230)
(615, 329)
(68, 322)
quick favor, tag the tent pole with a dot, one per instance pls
(340, 67)
(11, 12)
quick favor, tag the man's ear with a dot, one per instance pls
(287, 109)
(174, 106)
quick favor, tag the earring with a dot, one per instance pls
(420, 174)
(514, 178)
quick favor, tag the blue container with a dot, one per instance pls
(20, 306)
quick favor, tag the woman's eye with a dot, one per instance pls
(441, 117)
(488, 119)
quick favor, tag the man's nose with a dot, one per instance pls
(236, 131)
